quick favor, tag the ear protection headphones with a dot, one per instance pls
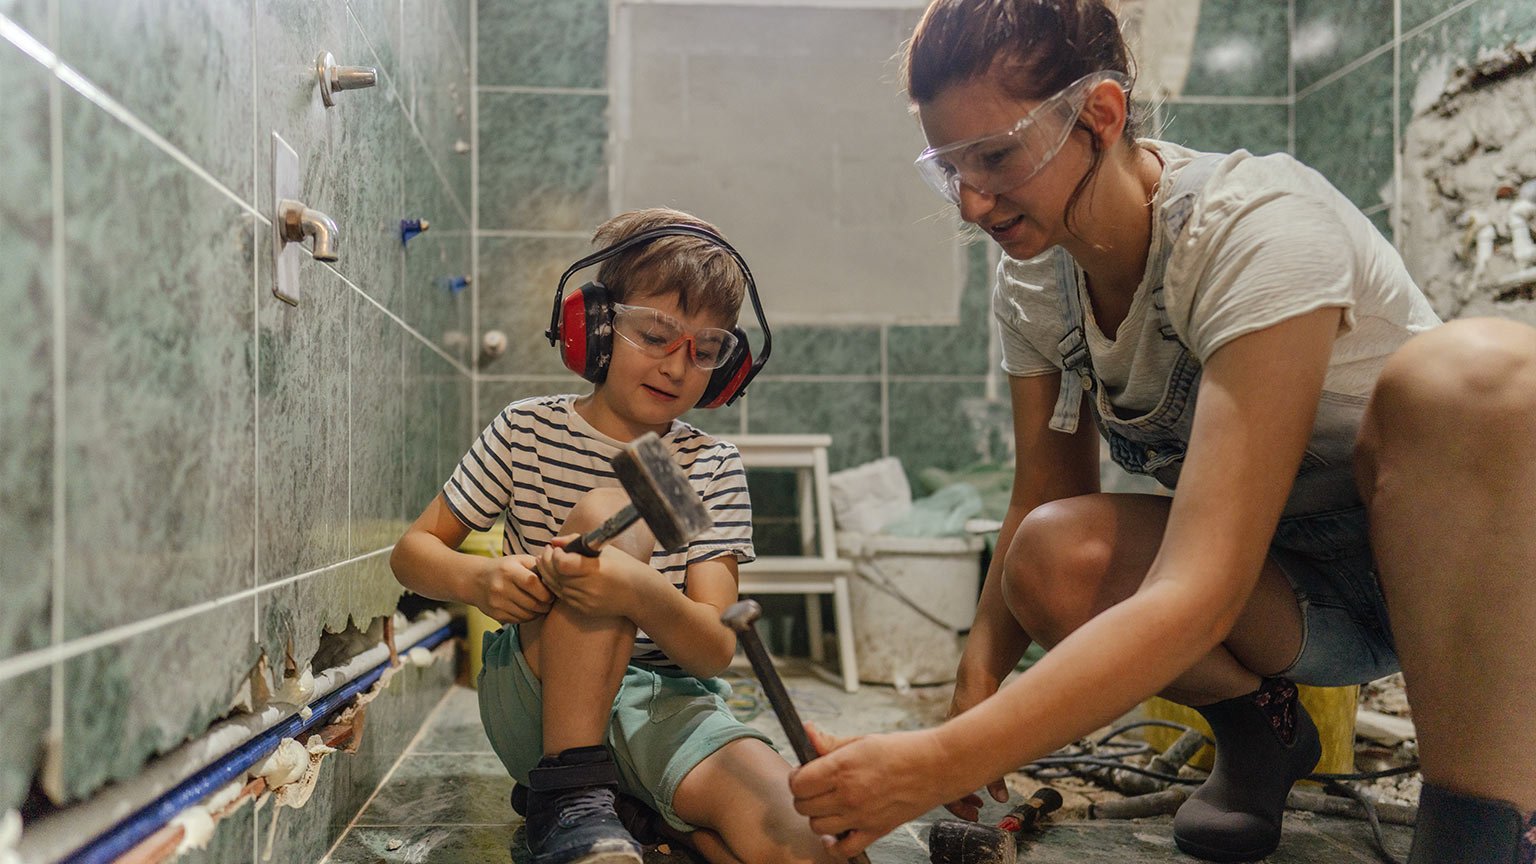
(581, 325)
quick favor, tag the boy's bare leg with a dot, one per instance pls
(1447, 466)
(741, 793)
(580, 659)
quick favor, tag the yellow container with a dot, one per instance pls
(1332, 709)
(487, 543)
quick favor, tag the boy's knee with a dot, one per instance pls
(593, 508)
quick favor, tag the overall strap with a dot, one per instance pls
(1077, 366)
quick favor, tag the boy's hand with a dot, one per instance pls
(607, 585)
(509, 590)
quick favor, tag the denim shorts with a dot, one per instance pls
(1346, 634)
(661, 727)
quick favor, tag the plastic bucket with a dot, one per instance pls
(478, 624)
(912, 598)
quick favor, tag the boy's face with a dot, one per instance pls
(643, 392)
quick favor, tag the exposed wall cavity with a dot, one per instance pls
(1469, 187)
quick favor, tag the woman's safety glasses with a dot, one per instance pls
(995, 163)
(658, 334)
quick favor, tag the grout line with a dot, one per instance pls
(474, 212)
(532, 234)
(1227, 100)
(21, 664)
(885, 389)
(13, 33)
(398, 320)
(420, 731)
(255, 348)
(1438, 18)
(1290, 76)
(1397, 118)
(60, 358)
(542, 91)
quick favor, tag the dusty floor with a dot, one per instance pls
(446, 800)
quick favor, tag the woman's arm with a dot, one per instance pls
(1257, 402)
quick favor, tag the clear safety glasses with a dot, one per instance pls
(658, 334)
(1000, 161)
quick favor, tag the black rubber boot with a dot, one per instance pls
(570, 810)
(1471, 830)
(1265, 742)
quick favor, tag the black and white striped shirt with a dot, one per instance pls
(538, 457)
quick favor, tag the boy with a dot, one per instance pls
(605, 682)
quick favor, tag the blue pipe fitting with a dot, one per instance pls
(411, 227)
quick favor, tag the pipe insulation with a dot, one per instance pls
(123, 814)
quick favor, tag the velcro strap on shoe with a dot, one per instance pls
(554, 777)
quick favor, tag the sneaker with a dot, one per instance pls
(571, 817)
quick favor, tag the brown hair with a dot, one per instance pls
(1033, 48)
(701, 274)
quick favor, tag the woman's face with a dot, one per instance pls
(1027, 219)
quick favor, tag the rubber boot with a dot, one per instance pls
(1265, 742)
(570, 810)
(1469, 830)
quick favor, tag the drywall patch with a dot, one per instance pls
(1469, 188)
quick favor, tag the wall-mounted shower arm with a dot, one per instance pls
(299, 222)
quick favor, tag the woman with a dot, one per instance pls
(1232, 326)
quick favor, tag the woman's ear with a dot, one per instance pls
(1105, 112)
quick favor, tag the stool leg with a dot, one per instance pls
(814, 628)
(844, 612)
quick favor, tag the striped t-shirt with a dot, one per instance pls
(538, 457)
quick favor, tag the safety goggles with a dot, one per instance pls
(1000, 161)
(658, 334)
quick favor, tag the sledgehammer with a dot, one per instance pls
(952, 841)
(658, 493)
(740, 617)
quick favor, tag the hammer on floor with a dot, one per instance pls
(659, 493)
(952, 841)
(740, 617)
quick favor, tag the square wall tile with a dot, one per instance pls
(455, 727)
(143, 696)
(518, 278)
(1259, 129)
(543, 43)
(441, 90)
(946, 425)
(1242, 48)
(433, 298)
(159, 376)
(950, 349)
(542, 161)
(848, 411)
(24, 707)
(443, 789)
(304, 359)
(437, 424)
(1344, 130)
(1331, 34)
(376, 428)
(800, 349)
(194, 92)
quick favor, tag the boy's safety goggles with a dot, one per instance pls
(1000, 161)
(658, 334)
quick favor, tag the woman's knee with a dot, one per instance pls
(1470, 373)
(1054, 568)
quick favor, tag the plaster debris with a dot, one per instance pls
(296, 793)
(10, 837)
(419, 656)
(296, 689)
(286, 764)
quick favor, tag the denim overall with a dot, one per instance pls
(1321, 542)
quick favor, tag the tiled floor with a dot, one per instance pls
(446, 800)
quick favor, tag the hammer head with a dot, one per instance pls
(741, 615)
(660, 492)
(951, 841)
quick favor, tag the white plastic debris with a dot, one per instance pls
(10, 837)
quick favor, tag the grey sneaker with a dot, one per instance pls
(570, 811)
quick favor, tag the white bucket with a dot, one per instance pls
(912, 597)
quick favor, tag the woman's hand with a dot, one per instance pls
(862, 788)
(508, 590)
(606, 585)
(967, 696)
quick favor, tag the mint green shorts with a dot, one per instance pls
(662, 724)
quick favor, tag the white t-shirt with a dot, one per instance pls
(1267, 239)
(538, 457)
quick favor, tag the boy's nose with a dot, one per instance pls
(675, 365)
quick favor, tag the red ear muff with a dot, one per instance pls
(586, 331)
(728, 380)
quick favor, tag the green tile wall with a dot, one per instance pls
(231, 470)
